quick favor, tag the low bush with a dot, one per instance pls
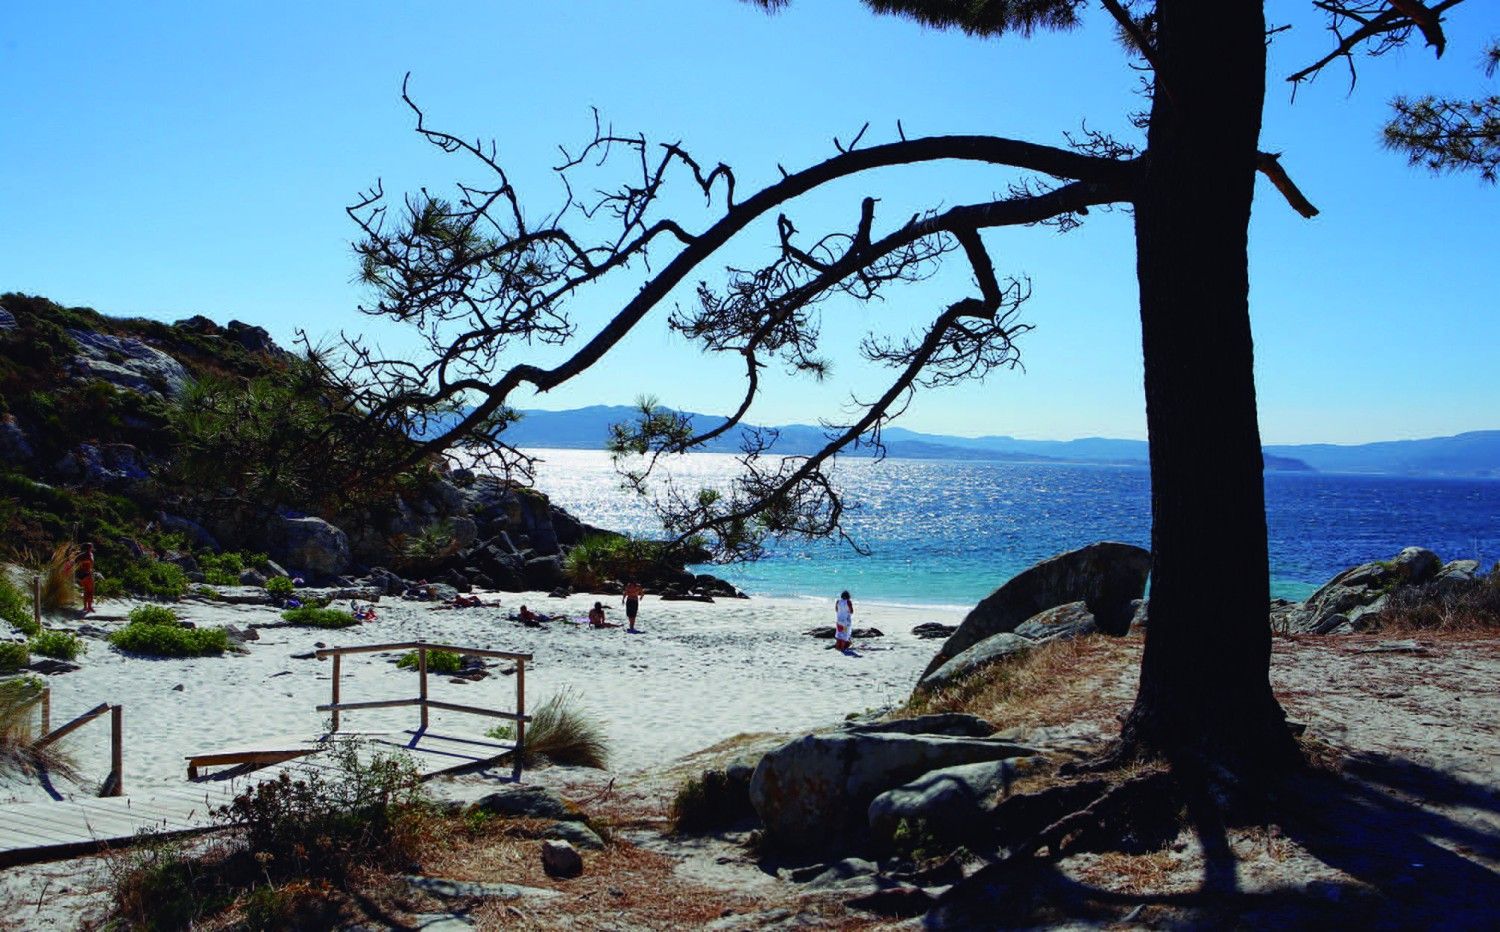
(61, 645)
(280, 587)
(160, 886)
(367, 814)
(152, 615)
(153, 630)
(709, 802)
(13, 656)
(15, 607)
(1464, 605)
(303, 853)
(601, 557)
(321, 618)
(221, 569)
(438, 661)
(155, 579)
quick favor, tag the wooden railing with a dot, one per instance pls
(422, 700)
(114, 784)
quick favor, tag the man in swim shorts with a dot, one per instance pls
(632, 598)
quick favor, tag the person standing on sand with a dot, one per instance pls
(632, 599)
(84, 572)
(844, 620)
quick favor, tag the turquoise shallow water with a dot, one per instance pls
(948, 533)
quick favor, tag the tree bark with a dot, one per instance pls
(1205, 678)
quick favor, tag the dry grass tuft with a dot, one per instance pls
(19, 753)
(1058, 682)
(1471, 606)
(59, 588)
(562, 733)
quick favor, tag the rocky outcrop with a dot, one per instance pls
(1358, 591)
(310, 545)
(952, 804)
(109, 465)
(1105, 576)
(992, 650)
(813, 792)
(14, 447)
(1060, 623)
(128, 363)
(952, 724)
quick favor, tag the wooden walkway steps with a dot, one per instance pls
(49, 831)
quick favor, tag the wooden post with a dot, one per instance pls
(520, 722)
(117, 748)
(46, 710)
(422, 671)
(336, 659)
(36, 600)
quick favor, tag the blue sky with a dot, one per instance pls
(167, 159)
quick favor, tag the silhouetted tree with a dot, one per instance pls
(477, 275)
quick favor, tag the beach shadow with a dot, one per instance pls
(1407, 866)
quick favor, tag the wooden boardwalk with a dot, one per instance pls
(48, 831)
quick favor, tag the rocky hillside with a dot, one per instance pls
(198, 453)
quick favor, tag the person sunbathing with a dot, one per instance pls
(465, 601)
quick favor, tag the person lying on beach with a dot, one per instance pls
(464, 601)
(529, 618)
(362, 612)
(596, 617)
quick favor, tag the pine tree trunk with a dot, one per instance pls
(1205, 688)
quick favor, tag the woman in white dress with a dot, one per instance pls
(844, 623)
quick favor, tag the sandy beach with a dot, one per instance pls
(694, 675)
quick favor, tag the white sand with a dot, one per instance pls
(697, 674)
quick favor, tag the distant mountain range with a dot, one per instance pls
(1473, 455)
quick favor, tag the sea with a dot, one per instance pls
(944, 532)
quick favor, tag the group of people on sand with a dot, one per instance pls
(631, 598)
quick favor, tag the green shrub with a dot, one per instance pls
(320, 617)
(155, 579)
(280, 587)
(13, 656)
(599, 557)
(153, 630)
(152, 615)
(15, 607)
(61, 645)
(438, 661)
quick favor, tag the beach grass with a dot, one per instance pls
(562, 733)
(19, 753)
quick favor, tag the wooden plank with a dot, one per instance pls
(273, 743)
(376, 704)
(325, 652)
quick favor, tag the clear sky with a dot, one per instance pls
(165, 159)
